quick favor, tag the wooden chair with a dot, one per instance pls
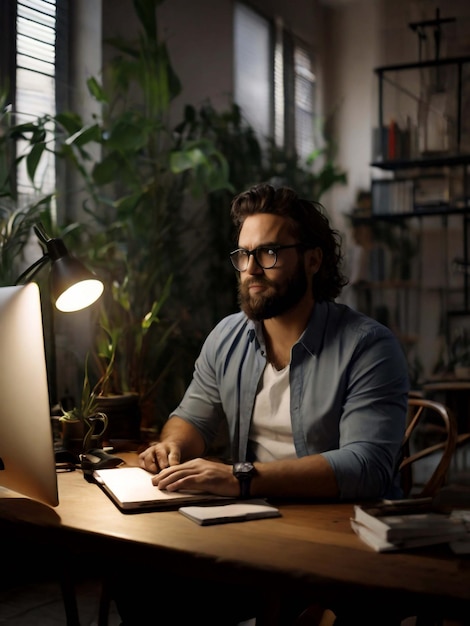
(432, 417)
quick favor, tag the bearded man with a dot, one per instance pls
(314, 393)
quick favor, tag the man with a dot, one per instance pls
(314, 393)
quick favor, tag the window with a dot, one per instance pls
(274, 81)
(35, 79)
(253, 69)
(304, 90)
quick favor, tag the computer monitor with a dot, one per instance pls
(27, 461)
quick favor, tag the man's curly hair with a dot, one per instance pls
(308, 224)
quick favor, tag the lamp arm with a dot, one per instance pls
(33, 269)
(41, 233)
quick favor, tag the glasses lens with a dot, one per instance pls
(266, 257)
(239, 259)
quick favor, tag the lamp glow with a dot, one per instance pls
(80, 296)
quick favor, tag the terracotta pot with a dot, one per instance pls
(124, 416)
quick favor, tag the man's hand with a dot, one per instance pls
(198, 475)
(159, 456)
(179, 440)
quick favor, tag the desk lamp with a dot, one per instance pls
(73, 287)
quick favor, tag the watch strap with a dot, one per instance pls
(245, 483)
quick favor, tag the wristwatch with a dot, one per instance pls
(244, 472)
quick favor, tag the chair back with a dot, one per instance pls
(438, 418)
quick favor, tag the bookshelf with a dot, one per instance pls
(419, 214)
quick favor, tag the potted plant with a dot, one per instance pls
(84, 426)
(135, 233)
(128, 353)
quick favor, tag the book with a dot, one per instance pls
(379, 544)
(411, 523)
(225, 513)
(131, 490)
(462, 546)
(391, 523)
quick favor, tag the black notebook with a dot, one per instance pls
(131, 489)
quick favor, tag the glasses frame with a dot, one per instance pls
(254, 254)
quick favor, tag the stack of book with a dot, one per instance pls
(403, 524)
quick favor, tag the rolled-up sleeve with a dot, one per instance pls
(373, 417)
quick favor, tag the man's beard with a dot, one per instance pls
(262, 307)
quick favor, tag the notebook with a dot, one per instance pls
(131, 489)
(224, 513)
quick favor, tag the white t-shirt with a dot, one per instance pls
(271, 429)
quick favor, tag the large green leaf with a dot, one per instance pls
(85, 135)
(129, 135)
(33, 159)
(107, 170)
(97, 90)
(71, 122)
(146, 12)
(127, 204)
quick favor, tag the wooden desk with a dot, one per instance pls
(310, 548)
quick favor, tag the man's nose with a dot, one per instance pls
(253, 267)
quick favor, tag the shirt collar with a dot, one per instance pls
(311, 338)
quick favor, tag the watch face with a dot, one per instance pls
(244, 472)
(243, 468)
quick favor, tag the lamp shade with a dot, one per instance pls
(73, 286)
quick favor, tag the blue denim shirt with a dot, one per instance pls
(348, 394)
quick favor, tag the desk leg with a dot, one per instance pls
(105, 601)
(69, 597)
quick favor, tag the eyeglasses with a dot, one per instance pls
(265, 256)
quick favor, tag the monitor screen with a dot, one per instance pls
(27, 462)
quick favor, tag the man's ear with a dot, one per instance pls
(314, 259)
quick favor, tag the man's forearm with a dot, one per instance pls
(185, 436)
(307, 477)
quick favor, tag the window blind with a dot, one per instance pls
(304, 89)
(274, 81)
(35, 80)
(253, 83)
